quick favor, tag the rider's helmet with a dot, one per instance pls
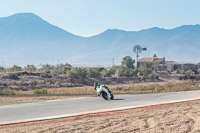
(95, 84)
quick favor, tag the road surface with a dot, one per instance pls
(66, 107)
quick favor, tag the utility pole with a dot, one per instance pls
(113, 61)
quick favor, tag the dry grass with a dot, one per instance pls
(158, 88)
(72, 90)
(139, 88)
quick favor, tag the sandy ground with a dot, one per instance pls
(176, 117)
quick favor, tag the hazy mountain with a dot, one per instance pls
(27, 39)
(179, 44)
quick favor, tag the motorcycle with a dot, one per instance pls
(104, 92)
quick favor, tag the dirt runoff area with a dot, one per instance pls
(175, 117)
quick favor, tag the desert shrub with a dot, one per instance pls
(123, 71)
(135, 72)
(93, 73)
(46, 68)
(152, 76)
(2, 69)
(198, 71)
(30, 68)
(13, 76)
(108, 72)
(9, 92)
(46, 74)
(62, 68)
(182, 72)
(55, 74)
(158, 88)
(77, 73)
(40, 91)
(146, 69)
(15, 68)
(189, 74)
(177, 71)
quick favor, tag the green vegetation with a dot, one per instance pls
(2, 69)
(30, 68)
(47, 71)
(146, 70)
(9, 92)
(13, 76)
(47, 68)
(46, 74)
(127, 67)
(64, 75)
(93, 73)
(152, 76)
(127, 72)
(15, 68)
(61, 68)
(127, 62)
(108, 72)
(189, 74)
(40, 91)
(77, 73)
(182, 72)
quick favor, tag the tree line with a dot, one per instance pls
(125, 69)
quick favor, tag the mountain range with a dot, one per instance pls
(25, 38)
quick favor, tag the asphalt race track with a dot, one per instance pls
(69, 107)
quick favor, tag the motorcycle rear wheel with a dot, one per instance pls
(112, 97)
(104, 95)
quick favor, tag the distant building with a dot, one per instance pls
(198, 66)
(189, 66)
(153, 60)
(160, 64)
(172, 66)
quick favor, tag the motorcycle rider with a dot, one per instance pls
(100, 87)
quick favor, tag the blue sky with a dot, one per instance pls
(90, 17)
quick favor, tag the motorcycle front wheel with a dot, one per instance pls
(112, 97)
